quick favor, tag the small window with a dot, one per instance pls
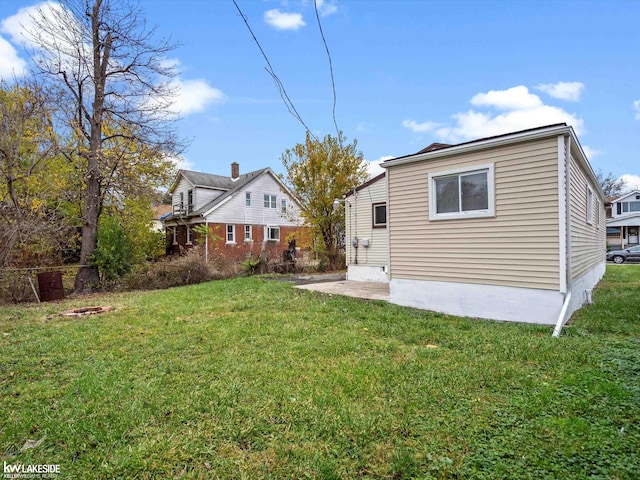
(283, 205)
(175, 235)
(590, 212)
(462, 193)
(273, 234)
(248, 234)
(181, 201)
(379, 215)
(189, 236)
(190, 201)
(270, 201)
(247, 199)
(231, 234)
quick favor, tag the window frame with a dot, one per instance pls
(189, 236)
(247, 199)
(190, 202)
(268, 230)
(489, 212)
(590, 210)
(270, 201)
(283, 205)
(248, 230)
(175, 235)
(233, 234)
(375, 205)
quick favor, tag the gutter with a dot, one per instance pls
(567, 219)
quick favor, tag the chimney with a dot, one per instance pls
(235, 170)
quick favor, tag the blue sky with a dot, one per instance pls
(407, 73)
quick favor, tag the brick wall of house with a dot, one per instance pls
(238, 250)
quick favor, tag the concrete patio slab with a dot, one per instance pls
(365, 290)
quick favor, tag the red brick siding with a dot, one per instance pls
(218, 246)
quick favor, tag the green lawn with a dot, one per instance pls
(250, 378)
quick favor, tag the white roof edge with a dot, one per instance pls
(481, 144)
(507, 139)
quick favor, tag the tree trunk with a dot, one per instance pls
(88, 277)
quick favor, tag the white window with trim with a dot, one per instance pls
(270, 201)
(272, 234)
(175, 235)
(189, 236)
(248, 233)
(462, 193)
(283, 205)
(379, 215)
(590, 212)
(231, 234)
(247, 199)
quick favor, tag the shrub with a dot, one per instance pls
(175, 271)
(114, 256)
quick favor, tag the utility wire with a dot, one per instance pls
(333, 83)
(283, 93)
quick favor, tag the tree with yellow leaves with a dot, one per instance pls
(319, 172)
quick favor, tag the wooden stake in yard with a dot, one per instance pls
(33, 288)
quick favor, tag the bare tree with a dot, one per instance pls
(611, 186)
(111, 67)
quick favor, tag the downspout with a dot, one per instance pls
(567, 231)
(355, 216)
(206, 243)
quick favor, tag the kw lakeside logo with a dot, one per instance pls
(21, 471)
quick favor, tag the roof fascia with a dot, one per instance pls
(177, 181)
(622, 198)
(480, 145)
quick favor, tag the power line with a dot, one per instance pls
(333, 83)
(283, 93)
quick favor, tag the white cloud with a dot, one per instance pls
(183, 163)
(563, 90)
(373, 166)
(326, 8)
(632, 182)
(194, 96)
(636, 106)
(591, 152)
(520, 110)
(416, 127)
(10, 62)
(283, 20)
(20, 27)
(515, 98)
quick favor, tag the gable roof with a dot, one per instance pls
(371, 181)
(227, 184)
(206, 180)
(624, 196)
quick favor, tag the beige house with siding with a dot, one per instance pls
(367, 240)
(510, 227)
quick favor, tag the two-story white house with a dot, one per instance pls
(623, 225)
(244, 214)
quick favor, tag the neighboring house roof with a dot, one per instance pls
(207, 180)
(624, 196)
(229, 185)
(434, 146)
(371, 181)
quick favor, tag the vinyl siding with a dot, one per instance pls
(518, 247)
(588, 242)
(361, 212)
(235, 211)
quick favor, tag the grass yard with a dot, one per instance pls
(250, 378)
